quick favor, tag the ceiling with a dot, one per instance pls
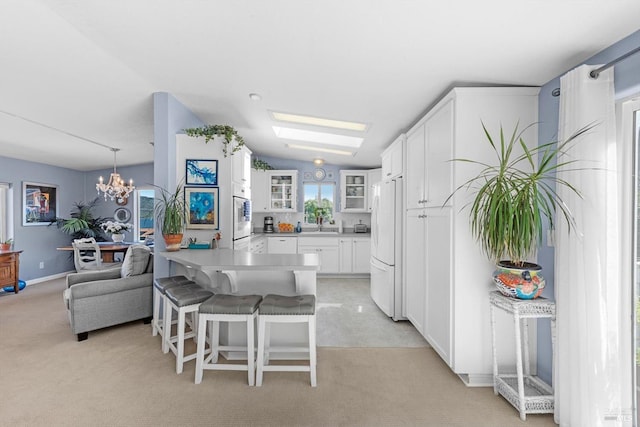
(78, 76)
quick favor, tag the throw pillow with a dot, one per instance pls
(135, 260)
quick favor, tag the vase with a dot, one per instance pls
(523, 282)
(172, 242)
(117, 237)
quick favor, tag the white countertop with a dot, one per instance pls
(228, 259)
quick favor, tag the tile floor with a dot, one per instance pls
(348, 317)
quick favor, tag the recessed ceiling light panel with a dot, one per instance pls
(318, 121)
(318, 137)
(321, 149)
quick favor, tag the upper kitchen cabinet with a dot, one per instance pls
(274, 190)
(429, 153)
(353, 191)
(392, 158)
(241, 173)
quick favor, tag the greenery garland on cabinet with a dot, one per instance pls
(211, 131)
(259, 164)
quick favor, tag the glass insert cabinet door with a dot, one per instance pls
(282, 192)
(354, 191)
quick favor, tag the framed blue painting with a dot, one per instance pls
(201, 172)
(203, 208)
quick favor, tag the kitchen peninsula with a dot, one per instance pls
(247, 273)
(286, 274)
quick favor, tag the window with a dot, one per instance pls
(5, 212)
(143, 219)
(318, 201)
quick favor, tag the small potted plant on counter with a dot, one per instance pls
(6, 245)
(170, 215)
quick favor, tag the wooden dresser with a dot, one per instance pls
(9, 269)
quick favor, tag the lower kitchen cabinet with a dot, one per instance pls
(428, 276)
(327, 249)
(282, 245)
(346, 255)
(361, 255)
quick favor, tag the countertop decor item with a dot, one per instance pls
(511, 199)
(228, 133)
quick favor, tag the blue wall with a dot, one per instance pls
(169, 118)
(39, 243)
(627, 83)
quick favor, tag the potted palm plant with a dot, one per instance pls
(511, 199)
(170, 215)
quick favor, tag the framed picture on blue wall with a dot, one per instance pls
(201, 172)
(39, 203)
(203, 208)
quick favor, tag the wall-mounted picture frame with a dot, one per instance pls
(201, 172)
(203, 208)
(39, 203)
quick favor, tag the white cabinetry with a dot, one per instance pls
(355, 254)
(353, 191)
(259, 190)
(257, 245)
(241, 173)
(274, 191)
(392, 158)
(282, 245)
(447, 277)
(327, 249)
(361, 255)
(283, 186)
(429, 154)
(346, 254)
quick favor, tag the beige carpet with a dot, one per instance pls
(120, 377)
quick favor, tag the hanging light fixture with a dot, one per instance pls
(116, 187)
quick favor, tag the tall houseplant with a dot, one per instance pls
(83, 222)
(170, 211)
(511, 199)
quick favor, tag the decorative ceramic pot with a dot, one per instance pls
(523, 282)
(117, 237)
(5, 247)
(172, 242)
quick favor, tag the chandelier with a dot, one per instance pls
(116, 187)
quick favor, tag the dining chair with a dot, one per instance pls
(87, 256)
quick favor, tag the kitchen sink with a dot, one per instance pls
(318, 233)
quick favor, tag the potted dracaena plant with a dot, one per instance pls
(170, 211)
(510, 200)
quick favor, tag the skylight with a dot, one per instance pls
(318, 121)
(318, 137)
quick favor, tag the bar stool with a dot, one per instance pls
(286, 309)
(160, 286)
(183, 299)
(226, 308)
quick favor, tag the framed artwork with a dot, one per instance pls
(202, 204)
(39, 203)
(201, 172)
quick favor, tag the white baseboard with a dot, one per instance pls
(47, 278)
(477, 380)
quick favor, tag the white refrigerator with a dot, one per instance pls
(386, 248)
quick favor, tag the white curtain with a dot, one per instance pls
(593, 357)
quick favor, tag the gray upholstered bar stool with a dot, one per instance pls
(160, 286)
(226, 308)
(286, 309)
(183, 299)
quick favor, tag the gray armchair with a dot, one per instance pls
(98, 299)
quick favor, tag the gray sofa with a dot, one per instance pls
(98, 299)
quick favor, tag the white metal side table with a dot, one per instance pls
(526, 392)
